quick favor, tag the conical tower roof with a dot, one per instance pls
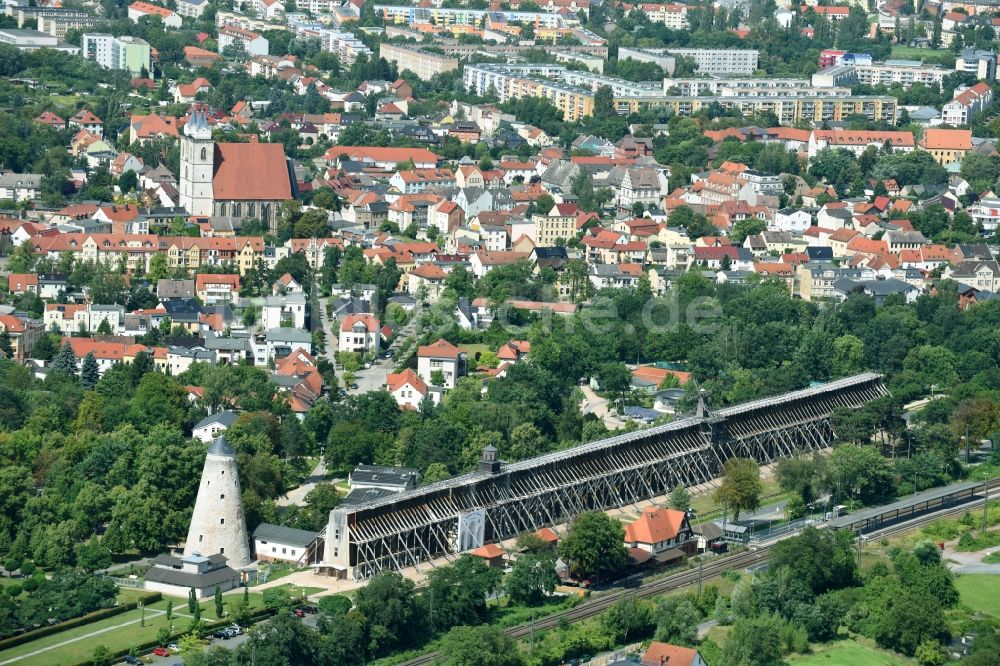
(222, 447)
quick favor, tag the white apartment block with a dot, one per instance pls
(891, 72)
(719, 61)
(346, 46)
(126, 53)
(191, 8)
(253, 43)
(981, 63)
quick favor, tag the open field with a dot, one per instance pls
(980, 592)
(849, 653)
(927, 55)
(123, 631)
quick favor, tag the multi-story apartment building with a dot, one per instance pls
(253, 43)
(128, 53)
(443, 17)
(422, 63)
(788, 104)
(966, 103)
(191, 8)
(707, 61)
(979, 62)
(891, 72)
(58, 24)
(139, 9)
(674, 16)
(730, 87)
(345, 45)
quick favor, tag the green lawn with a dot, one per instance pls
(471, 350)
(123, 631)
(848, 653)
(980, 592)
(914, 53)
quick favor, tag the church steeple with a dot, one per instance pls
(197, 165)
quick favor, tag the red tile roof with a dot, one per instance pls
(251, 172)
(655, 525)
(440, 349)
(408, 376)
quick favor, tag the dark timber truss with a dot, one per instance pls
(412, 528)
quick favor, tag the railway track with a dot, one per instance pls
(743, 560)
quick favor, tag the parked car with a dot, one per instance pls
(161, 652)
(173, 647)
(221, 635)
(133, 661)
(299, 612)
(237, 628)
(310, 609)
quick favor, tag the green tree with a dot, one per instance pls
(170, 609)
(677, 621)
(218, 602)
(594, 546)
(389, 604)
(479, 646)
(460, 590)
(64, 361)
(680, 499)
(89, 372)
(628, 618)
(102, 656)
(533, 578)
(753, 641)
(192, 601)
(44, 348)
(741, 486)
(823, 560)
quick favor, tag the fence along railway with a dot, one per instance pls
(499, 501)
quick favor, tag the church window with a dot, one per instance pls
(200, 537)
(204, 153)
(222, 551)
(222, 521)
(222, 496)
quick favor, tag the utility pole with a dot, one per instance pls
(700, 564)
(532, 632)
(986, 505)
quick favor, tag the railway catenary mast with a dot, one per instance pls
(499, 501)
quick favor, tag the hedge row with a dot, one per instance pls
(92, 616)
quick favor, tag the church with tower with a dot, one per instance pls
(241, 180)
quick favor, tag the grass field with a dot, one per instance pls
(914, 53)
(980, 592)
(849, 653)
(123, 631)
(471, 350)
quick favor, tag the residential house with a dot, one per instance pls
(214, 288)
(360, 333)
(284, 310)
(443, 357)
(213, 425)
(408, 390)
(663, 534)
(665, 654)
(23, 334)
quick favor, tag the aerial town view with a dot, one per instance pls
(499, 333)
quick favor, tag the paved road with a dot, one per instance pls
(298, 495)
(374, 378)
(595, 404)
(325, 323)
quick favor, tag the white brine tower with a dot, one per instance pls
(217, 524)
(197, 165)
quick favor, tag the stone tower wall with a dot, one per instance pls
(218, 524)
